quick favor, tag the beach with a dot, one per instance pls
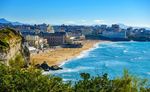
(60, 55)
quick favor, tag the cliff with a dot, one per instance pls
(12, 46)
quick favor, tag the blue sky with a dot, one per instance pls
(129, 12)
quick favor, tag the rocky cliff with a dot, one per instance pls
(12, 46)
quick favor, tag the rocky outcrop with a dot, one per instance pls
(46, 67)
(55, 67)
(11, 45)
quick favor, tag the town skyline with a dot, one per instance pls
(78, 12)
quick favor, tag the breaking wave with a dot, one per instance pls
(83, 54)
(112, 57)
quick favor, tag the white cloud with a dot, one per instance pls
(98, 21)
(69, 22)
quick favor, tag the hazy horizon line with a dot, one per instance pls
(100, 22)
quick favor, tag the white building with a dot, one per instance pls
(50, 29)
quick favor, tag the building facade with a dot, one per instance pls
(54, 39)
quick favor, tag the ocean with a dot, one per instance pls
(109, 57)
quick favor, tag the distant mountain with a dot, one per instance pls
(4, 21)
(16, 23)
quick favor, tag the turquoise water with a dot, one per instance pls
(111, 58)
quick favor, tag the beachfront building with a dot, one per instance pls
(33, 40)
(36, 41)
(54, 39)
(82, 37)
(32, 50)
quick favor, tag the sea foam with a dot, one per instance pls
(112, 58)
(67, 70)
(83, 54)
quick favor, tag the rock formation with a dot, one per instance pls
(12, 45)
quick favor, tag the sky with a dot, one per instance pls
(81, 12)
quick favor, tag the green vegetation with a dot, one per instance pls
(17, 62)
(5, 36)
(103, 84)
(31, 80)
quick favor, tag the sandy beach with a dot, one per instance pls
(60, 55)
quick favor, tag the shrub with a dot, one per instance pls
(31, 80)
(17, 62)
(126, 83)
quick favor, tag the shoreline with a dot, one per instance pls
(90, 49)
(62, 55)
(83, 52)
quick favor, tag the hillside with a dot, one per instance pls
(5, 21)
(8, 38)
(11, 46)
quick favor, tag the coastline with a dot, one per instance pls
(82, 53)
(60, 56)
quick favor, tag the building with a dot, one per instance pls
(50, 29)
(115, 27)
(54, 39)
(103, 27)
(86, 30)
(75, 33)
(114, 35)
(42, 27)
(114, 32)
(33, 40)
